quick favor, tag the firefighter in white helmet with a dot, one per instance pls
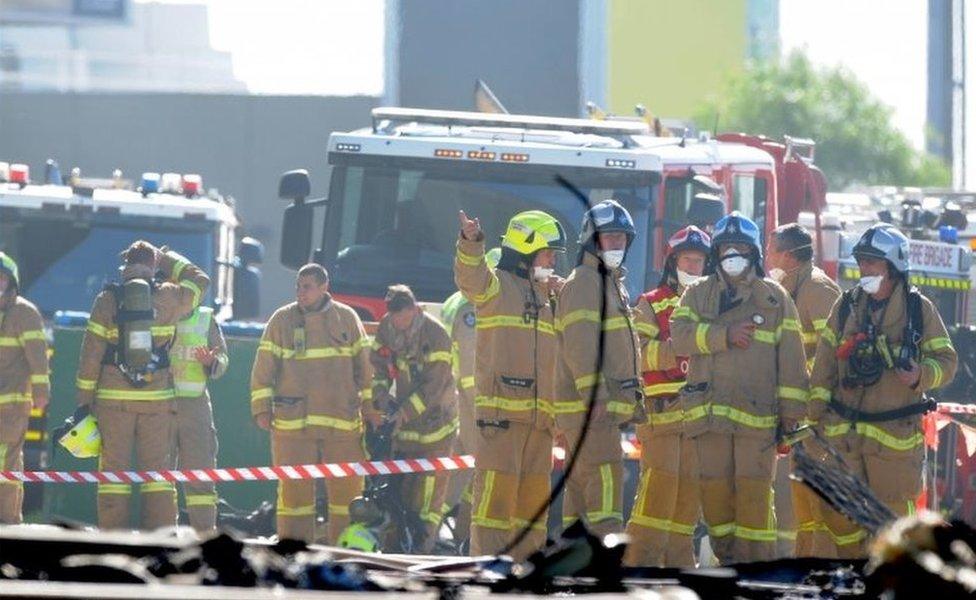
(24, 381)
(667, 506)
(884, 346)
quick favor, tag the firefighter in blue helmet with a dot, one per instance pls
(746, 378)
(612, 381)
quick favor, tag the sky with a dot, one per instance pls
(270, 48)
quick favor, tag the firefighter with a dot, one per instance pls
(884, 346)
(412, 356)
(199, 353)
(667, 507)
(24, 381)
(310, 380)
(513, 376)
(124, 376)
(746, 379)
(594, 304)
(799, 511)
(458, 318)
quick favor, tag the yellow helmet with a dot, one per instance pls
(533, 230)
(8, 266)
(83, 439)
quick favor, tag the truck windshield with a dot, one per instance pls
(64, 263)
(398, 223)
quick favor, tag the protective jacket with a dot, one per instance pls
(515, 340)
(312, 370)
(744, 391)
(23, 353)
(814, 294)
(937, 361)
(98, 377)
(663, 372)
(458, 317)
(419, 363)
(579, 369)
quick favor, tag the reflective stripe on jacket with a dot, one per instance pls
(937, 364)
(616, 377)
(312, 369)
(424, 383)
(663, 372)
(23, 353)
(182, 291)
(515, 339)
(733, 389)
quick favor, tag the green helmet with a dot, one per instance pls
(533, 230)
(358, 537)
(8, 266)
(83, 439)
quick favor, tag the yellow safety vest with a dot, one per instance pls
(189, 376)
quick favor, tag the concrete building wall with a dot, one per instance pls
(239, 144)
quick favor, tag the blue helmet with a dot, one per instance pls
(736, 228)
(607, 216)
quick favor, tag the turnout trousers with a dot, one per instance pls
(14, 418)
(145, 428)
(895, 477)
(511, 483)
(737, 495)
(667, 506)
(296, 498)
(196, 448)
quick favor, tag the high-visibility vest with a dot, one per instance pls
(189, 376)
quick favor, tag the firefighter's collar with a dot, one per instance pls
(325, 305)
(795, 276)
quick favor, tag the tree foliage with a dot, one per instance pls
(856, 140)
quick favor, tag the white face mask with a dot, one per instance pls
(777, 274)
(734, 265)
(542, 273)
(687, 279)
(871, 284)
(612, 258)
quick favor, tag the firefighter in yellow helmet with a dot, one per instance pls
(884, 346)
(611, 381)
(24, 381)
(799, 511)
(414, 388)
(123, 373)
(513, 375)
(309, 387)
(746, 378)
(198, 354)
(667, 507)
(458, 318)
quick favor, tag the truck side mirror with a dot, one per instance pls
(296, 235)
(294, 185)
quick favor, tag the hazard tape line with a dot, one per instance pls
(288, 472)
(954, 408)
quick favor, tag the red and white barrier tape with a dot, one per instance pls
(319, 471)
(954, 408)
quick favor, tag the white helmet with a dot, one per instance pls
(884, 241)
